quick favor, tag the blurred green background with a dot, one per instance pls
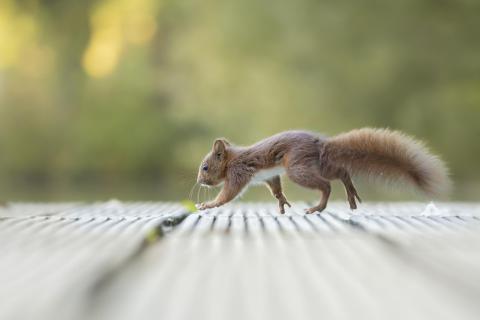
(122, 98)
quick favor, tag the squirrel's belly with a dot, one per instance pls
(266, 174)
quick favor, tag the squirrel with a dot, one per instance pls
(312, 161)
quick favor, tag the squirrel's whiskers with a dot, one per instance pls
(191, 191)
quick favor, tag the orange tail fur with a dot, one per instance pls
(390, 155)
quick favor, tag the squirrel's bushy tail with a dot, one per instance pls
(390, 155)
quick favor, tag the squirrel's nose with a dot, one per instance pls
(205, 182)
(200, 180)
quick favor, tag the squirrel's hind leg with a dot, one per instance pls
(350, 190)
(275, 186)
(325, 189)
(310, 178)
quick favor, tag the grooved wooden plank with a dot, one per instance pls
(267, 266)
(51, 262)
(244, 260)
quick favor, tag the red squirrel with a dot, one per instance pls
(312, 161)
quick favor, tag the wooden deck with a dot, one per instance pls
(117, 260)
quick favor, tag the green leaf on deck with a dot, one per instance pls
(152, 236)
(189, 205)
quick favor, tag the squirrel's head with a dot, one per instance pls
(212, 168)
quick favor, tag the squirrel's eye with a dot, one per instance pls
(205, 168)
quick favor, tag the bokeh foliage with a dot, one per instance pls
(123, 97)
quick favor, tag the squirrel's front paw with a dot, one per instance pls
(205, 205)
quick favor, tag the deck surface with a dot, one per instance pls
(118, 260)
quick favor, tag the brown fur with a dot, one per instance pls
(312, 161)
(389, 155)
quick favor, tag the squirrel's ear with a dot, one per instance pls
(219, 146)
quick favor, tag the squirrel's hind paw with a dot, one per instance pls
(314, 209)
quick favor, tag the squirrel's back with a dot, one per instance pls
(390, 155)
